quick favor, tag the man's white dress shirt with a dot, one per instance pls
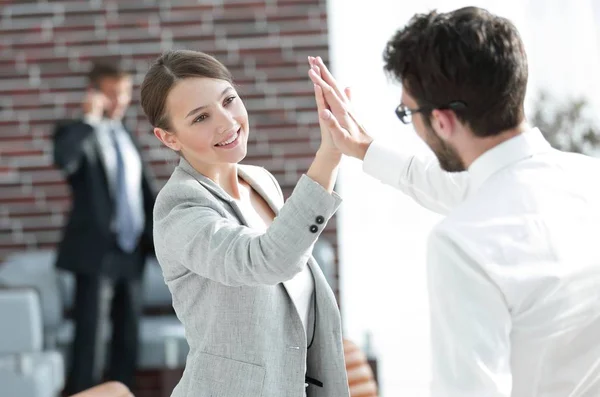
(513, 270)
(131, 158)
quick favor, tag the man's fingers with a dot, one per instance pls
(320, 93)
(329, 79)
(336, 105)
(320, 98)
(334, 127)
(323, 72)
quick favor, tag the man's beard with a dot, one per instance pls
(448, 157)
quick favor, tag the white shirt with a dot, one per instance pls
(301, 289)
(514, 269)
(131, 159)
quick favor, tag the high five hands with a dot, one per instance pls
(335, 115)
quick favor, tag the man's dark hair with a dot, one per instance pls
(467, 55)
(105, 69)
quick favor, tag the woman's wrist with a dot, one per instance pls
(325, 167)
(332, 155)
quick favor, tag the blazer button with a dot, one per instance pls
(320, 220)
(313, 229)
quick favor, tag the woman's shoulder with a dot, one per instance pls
(181, 186)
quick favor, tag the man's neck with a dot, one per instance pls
(481, 145)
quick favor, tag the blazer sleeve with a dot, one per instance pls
(191, 230)
(70, 140)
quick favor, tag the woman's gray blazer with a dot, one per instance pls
(246, 338)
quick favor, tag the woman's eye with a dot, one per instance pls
(200, 118)
(229, 100)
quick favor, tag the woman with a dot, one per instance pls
(259, 316)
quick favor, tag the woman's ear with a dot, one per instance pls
(168, 139)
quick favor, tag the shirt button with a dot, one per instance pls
(313, 229)
(320, 220)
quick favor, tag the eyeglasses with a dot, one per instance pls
(405, 114)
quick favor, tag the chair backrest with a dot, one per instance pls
(36, 269)
(156, 292)
(324, 254)
(57, 287)
(21, 329)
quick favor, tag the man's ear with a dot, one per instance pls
(444, 123)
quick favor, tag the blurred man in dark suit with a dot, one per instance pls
(109, 230)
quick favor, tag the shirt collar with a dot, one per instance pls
(115, 124)
(507, 153)
(97, 122)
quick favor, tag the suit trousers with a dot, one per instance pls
(98, 300)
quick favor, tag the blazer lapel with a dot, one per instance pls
(263, 185)
(259, 182)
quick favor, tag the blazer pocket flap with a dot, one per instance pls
(226, 377)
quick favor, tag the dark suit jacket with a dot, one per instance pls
(88, 235)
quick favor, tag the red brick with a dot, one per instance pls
(39, 223)
(18, 197)
(82, 14)
(192, 8)
(25, 24)
(74, 26)
(9, 70)
(15, 85)
(256, 6)
(19, 149)
(300, 2)
(42, 237)
(176, 18)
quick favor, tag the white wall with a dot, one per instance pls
(382, 234)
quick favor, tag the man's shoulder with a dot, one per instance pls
(66, 125)
(577, 163)
(513, 207)
(68, 122)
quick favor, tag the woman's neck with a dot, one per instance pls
(229, 181)
(224, 175)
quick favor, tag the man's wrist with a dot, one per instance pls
(363, 148)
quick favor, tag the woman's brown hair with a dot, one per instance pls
(167, 70)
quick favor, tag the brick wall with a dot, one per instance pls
(47, 47)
